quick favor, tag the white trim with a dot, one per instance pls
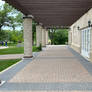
(85, 42)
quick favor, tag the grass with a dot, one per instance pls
(6, 63)
(36, 49)
(12, 50)
(17, 50)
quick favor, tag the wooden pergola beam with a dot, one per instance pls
(53, 12)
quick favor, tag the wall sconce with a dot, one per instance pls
(78, 28)
(89, 23)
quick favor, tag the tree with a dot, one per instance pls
(9, 17)
(3, 35)
(59, 36)
(51, 35)
(15, 36)
(17, 20)
(4, 18)
(4, 11)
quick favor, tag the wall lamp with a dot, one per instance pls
(78, 28)
(89, 24)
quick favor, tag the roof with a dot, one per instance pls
(53, 12)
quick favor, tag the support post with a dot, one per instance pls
(43, 37)
(46, 37)
(38, 35)
(91, 45)
(27, 37)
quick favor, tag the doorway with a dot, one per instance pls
(85, 42)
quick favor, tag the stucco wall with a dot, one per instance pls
(75, 38)
(76, 34)
(83, 21)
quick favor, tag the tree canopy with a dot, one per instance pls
(58, 36)
(10, 18)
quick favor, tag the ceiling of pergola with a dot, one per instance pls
(53, 12)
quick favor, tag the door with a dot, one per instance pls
(85, 42)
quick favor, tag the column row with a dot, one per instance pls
(41, 37)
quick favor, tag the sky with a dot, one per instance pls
(1, 2)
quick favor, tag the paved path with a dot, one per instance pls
(56, 69)
(3, 47)
(11, 56)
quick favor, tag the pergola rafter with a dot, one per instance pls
(53, 12)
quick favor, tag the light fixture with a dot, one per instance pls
(89, 23)
(78, 28)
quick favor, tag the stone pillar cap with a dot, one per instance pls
(28, 16)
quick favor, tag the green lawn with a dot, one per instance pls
(16, 50)
(6, 63)
(12, 50)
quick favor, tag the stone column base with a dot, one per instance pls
(27, 56)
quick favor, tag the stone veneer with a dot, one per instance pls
(43, 37)
(75, 34)
(27, 37)
(38, 35)
(46, 37)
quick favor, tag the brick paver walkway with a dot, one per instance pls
(56, 69)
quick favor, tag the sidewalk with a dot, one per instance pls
(56, 69)
(14, 56)
(3, 47)
(11, 56)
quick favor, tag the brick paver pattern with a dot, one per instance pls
(56, 69)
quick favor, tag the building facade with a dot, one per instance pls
(80, 35)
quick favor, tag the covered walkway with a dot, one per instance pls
(56, 69)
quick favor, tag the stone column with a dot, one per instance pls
(38, 35)
(27, 37)
(69, 37)
(91, 45)
(46, 37)
(43, 37)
